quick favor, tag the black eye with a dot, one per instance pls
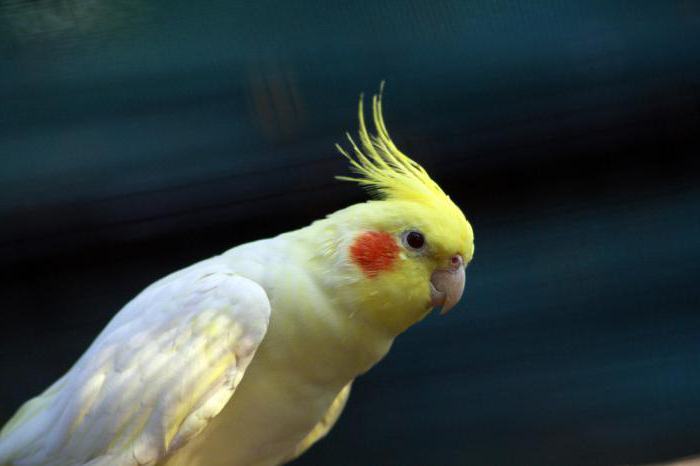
(415, 239)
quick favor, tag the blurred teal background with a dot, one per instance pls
(137, 137)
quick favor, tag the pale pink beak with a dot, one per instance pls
(447, 284)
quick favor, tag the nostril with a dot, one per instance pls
(456, 260)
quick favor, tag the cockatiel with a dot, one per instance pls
(246, 358)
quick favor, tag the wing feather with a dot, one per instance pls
(326, 423)
(159, 372)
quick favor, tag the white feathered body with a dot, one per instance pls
(102, 411)
(246, 359)
(288, 387)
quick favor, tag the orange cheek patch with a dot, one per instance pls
(374, 251)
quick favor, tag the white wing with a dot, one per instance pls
(166, 364)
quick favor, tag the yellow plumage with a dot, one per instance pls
(383, 168)
(246, 358)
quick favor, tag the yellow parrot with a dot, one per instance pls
(247, 358)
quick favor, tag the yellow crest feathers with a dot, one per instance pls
(384, 169)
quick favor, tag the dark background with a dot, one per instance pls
(137, 137)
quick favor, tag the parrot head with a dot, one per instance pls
(405, 252)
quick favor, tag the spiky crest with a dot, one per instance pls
(382, 168)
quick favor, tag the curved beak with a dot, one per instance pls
(447, 285)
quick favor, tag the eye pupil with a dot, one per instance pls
(415, 240)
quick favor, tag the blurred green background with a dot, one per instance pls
(137, 137)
